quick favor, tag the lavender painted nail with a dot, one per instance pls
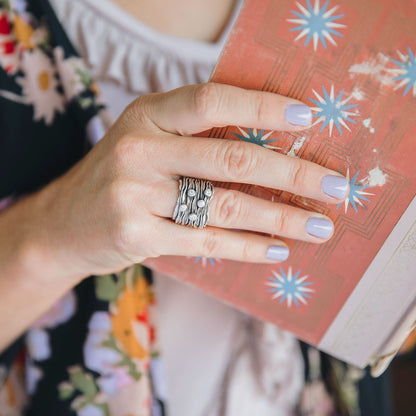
(298, 114)
(335, 186)
(279, 253)
(319, 227)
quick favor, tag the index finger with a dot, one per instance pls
(192, 109)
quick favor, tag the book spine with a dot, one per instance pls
(375, 319)
(381, 360)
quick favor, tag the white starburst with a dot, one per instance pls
(205, 260)
(256, 137)
(290, 288)
(356, 194)
(332, 110)
(405, 73)
(316, 23)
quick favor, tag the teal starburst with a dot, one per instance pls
(332, 110)
(289, 287)
(253, 136)
(406, 73)
(356, 194)
(316, 23)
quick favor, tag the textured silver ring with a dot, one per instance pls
(192, 207)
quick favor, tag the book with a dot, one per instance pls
(353, 62)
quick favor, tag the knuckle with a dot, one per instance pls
(298, 175)
(124, 237)
(116, 196)
(127, 151)
(207, 101)
(145, 240)
(239, 160)
(122, 151)
(212, 243)
(282, 221)
(119, 225)
(139, 110)
(133, 239)
(228, 208)
(247, 250)
(128, 223)
(260, 108)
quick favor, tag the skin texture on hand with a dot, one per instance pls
(114, 207)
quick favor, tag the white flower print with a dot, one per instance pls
(37, 338)
(33, 375)
(19, 6)
(38, 344)
(112, 383)
(40, 36)
(102, 359)
(97, 357)
(70, 71)
(39, 86)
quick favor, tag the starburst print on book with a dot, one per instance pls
(406, 73)
(259, 138)
(316, 23)
(205, 260)
(356, 194)
(332, 110)
(290, 288)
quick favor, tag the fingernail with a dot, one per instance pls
(319, 227)
(298, 114)
(335, 186)
(280, 253)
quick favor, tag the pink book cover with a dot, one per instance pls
(353, 62)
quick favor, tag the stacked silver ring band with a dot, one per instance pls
(192, 207)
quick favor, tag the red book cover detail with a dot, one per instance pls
(353, 62)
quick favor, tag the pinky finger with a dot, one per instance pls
(180, 240)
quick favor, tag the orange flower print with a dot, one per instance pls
(117, 345)
(13, 395)
(23, 32)
(130, 319)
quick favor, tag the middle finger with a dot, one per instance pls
(241, 162)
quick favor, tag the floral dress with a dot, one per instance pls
(95, 353)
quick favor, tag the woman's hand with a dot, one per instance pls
(114, 208)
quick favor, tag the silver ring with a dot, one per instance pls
(192, 207)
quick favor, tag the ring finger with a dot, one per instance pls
(237, 210)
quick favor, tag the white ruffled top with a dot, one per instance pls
(119, 47)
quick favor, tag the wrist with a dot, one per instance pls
(32, 278)
(49, 243)
(32, 251)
